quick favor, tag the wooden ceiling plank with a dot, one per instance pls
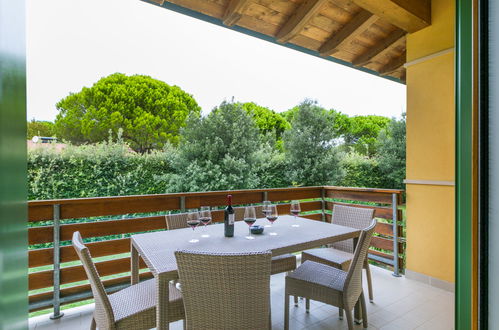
(234, 11)
(299, 19)
(394, 65)
(361, 22)
(379, 48)
(408, 15)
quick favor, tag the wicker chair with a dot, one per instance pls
(340, 254)
(225, 291)
(331, 285)
(131, 308)
(280, 264)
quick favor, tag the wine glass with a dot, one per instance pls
(265, 209)
(193, 221)
(249, 218)
(205, 218)
(295, 210)
(272, 216)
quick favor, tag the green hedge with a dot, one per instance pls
(105, 169)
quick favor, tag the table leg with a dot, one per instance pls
(162, 303)
(134, 267)
(358, 307)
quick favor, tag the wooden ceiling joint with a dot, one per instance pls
(408, 15)
(393, 66)
(299, 19)
(361, 22)
(234, 11)
(380, 48)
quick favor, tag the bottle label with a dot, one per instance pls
(231, 219)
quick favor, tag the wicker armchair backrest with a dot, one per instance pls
(354, 217)
(353, 283)
(176, 221)
(103, 313)
(225, 291)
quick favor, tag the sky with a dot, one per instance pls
(71, 44)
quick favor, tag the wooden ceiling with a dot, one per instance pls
(369, 34)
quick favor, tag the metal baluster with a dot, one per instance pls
(182, 204)
(395, 237)
(57, 263)
(323, 203)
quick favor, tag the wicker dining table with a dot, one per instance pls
(157, 248)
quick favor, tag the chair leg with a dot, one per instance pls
(296, 300)
(340, 313)
(286, 311)
(184, 325)
(364, 311)
(93, 326)
(349, 319)
(270, 314)
(369, 282)
(307, 305)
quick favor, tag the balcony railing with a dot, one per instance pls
(57, 278)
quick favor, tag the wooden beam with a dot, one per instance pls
(361, 22)
(379, 48)
(234, 11)
(295, 24)
(409, 15)
(393, 65)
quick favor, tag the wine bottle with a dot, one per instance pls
(229, 218)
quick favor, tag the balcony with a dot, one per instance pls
(57, 279)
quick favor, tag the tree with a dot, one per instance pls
(218, 151)
(39, 128)
(267, 120)
(149, 111)
(391, 153)
(309, 146)
(360, 132)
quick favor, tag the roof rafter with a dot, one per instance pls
(379, 48)
(234, 11)
(298, 20)
(361, 22)
(394, 65)
(408, 15)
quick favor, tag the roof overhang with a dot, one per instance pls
(367, 35)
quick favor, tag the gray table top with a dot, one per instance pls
(157, 248)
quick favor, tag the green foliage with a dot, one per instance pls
(149, 111)
(309, 147)
(40, 128)
(103, 169)
(218, 151)
(267, 121)
(391, 153)
(236, 146)
(360, 132)
(361, 171)
(289, 115)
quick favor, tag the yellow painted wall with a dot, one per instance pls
(430, 146)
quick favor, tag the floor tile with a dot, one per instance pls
(399, 303)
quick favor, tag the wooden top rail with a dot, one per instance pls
(103, 206)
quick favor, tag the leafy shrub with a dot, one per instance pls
(360, 171)
(103, 169)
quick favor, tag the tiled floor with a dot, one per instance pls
(399, 304)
